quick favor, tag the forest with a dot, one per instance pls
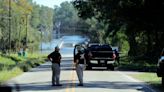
(141, 21)
(21, 24)
(135, 26)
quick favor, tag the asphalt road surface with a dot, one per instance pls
(97, 80)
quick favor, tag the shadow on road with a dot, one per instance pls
(116, 85)
(45, 86)
(67, 66)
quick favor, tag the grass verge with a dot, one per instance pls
(8, 74)
(151, 79)
(147, 69)
(13, 65)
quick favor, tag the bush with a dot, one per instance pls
(128, 63)
(24, 67)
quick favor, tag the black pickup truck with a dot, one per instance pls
(99, 55)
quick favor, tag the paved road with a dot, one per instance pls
(39, 80)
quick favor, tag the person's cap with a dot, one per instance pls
(56, 48)
(79, 48)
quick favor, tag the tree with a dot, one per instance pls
(142, 18)
(71, 24)
(67, 16)
(25, 16)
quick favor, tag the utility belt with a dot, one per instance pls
(56, 63)
(80, 63)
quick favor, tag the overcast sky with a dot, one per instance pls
(50, 3)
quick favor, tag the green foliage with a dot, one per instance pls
(13, 65)
(142, 20)
(151, 79)
(8, 74)
(25, 18)
(6, 63)
(35, 18)
(66, 16)
(120, 40)
(130, 63)
(70, 24)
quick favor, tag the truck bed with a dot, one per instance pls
(101, 52)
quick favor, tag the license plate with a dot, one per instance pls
(102, 61)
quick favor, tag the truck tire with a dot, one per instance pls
(163, 81)
(159, 72)
(111, 67)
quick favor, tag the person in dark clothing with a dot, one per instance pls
(55, 58)
(117, 56)
(80, 64)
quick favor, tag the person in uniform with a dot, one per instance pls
(55, 58)
(79, 61)
(117, 57)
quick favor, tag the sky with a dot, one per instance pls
(50, 3)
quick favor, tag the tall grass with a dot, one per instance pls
(13, 65)
(8, 74)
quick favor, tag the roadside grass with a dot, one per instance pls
(151, 79)
(6, 63)
(140, 65)
(8, 74)
(13, 65)
(147, 72)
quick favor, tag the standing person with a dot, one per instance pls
(24, 53)
(19, 52)
(80, 64)
(55, 58)
(117, 56)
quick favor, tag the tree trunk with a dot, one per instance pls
(133, 44)
(149, 45)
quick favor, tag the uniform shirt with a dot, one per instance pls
(56, 56)
(80, 57)
(162, 58)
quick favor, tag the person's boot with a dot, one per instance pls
(58, 84)
(80, 84)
